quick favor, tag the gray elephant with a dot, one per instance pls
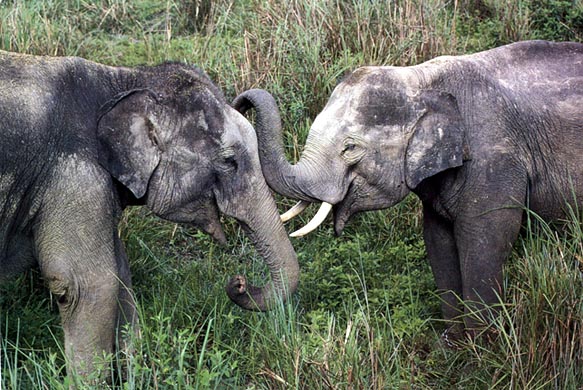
(476, 137)
(81, 141)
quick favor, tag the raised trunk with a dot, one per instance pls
(266, 231)
(284, 178)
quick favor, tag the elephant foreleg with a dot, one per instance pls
(88, 306)
(443, 257)
(78, 258)
(128, 317)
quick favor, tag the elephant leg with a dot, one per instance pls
(87, 301)
(77, 256)
(128, 317)
(444, 261)
(484, 242)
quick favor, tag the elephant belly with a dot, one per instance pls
(19, 203)
(553, 202)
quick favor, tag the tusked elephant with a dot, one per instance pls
(80, 142)
(478, 138)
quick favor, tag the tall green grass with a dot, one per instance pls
(365, 315)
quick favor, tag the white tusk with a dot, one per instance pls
(315, 222)
(294, 211)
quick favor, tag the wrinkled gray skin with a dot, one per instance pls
(80, 141)
(475, 137)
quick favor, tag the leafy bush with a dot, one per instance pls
(559, 20)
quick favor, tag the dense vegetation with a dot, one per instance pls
(366, 315)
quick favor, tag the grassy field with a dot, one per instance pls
(365, 316)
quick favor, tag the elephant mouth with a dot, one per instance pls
(359, 197)
(215, 230)
(342, 211)
(363, 196)
(345, 209)
(202, 215)
(208, 220)
(342, 215)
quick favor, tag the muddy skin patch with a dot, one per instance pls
(383, 101)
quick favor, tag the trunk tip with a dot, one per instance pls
(245, 295)
(237, 286)
(254, 298)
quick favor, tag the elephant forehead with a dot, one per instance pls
(375, 96)
(238, 129)
(380, 107)
(338, 113)
(195, 129)
(239, 138)
(384, 104)
(344, 104)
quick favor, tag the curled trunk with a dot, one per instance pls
(266, 231)
(284, 178)
(306, 180)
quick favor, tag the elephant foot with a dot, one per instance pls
(454, 336)
(457, 336)
(485, 335)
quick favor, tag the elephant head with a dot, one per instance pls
(187, 155)
(380, 135)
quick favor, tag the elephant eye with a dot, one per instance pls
(349, 147)
(352, 151)
(228, 160)
(231, 162)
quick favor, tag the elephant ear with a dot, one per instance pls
(437, 142)
(127, 140)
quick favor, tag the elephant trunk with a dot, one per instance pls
(284, 178)
(268, 235)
